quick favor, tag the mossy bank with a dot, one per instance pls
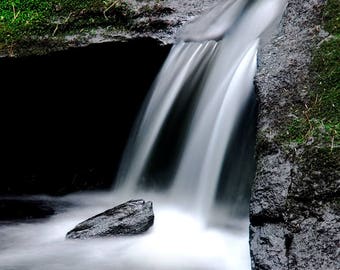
(38, 27)
(35, 27)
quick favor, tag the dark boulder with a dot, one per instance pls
(129, 218)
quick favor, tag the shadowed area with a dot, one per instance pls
(65, 117)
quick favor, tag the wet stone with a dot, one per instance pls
(129, 218)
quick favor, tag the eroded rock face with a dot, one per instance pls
(268, 247)
(129, 218)
(294, 224)
(315, 240)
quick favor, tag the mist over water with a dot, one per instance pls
(176, 241)
(191, 153)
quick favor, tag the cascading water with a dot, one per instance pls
(191, 152)
(209, 83)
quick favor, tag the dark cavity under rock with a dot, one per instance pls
(24, 209)
(129, 218)
(28, 209)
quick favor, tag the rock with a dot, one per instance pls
(268, 247)
(129, 218)
(294, 205)
(270, 188)
(315, 242)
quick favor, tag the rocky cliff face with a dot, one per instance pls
(294, 210)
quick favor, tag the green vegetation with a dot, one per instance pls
(24, 20)
(37, 26)
(318, 123)
(332, 17)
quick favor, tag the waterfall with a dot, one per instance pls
(190, 152)
(195, 104)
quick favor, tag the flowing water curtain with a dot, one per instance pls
(205, 69)
(183, 62)
(202, 159)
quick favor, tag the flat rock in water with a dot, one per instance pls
(129, 218)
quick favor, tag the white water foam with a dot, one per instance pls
(177, 241)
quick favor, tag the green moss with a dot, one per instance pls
(332, 16)
(325, 72)
(320, 119)
(18, 16)
(318, 122)
(22, 20)
(297, 131)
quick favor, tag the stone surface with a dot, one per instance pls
(129, 218)
(294, 211)
(268, 199)
(162, 26)
(268, 244)
(316, 241)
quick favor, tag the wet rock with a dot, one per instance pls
(294, 209)
(270, 188)
(129, 218)
(268, 247)
(316, 241)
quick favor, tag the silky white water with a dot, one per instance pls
(188, 154)
(176, 241)
(210, 82)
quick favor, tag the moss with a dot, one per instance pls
(318, 122)
(332, 16)
(24, 20)
(35, 21)
(325, 72)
